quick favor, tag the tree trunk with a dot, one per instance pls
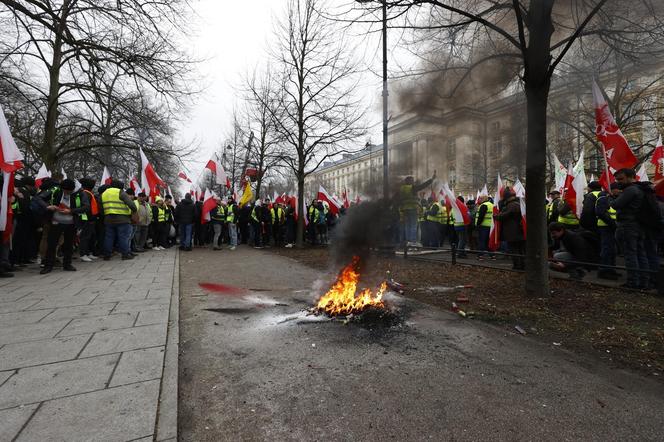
(48, 150)
(537, 84)
(299, 238)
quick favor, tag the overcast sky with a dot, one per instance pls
(232, 37)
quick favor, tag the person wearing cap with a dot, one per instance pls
(161, 224)
(185, 215)
(511, 228)
(588, 219)
(552, 207)
(218, 219)
(144, 212)
(232, 213)
(118, 209)
(257, 224)
(64, 206)
(606, 226)
(87, 221)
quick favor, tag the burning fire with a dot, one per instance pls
(342, 298)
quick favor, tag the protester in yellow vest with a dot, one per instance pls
(118, 208)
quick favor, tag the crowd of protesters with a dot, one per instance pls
(626, 221)
(60, 219)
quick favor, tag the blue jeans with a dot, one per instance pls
(232, 234)
(607, 254)
(119, 234)
(631, 236)
(185, 234)
(410, 225)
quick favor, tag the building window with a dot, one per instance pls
(451, 151)
(496, 140)
(452, 177)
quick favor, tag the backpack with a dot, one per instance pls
(37, 210)
(650, 214)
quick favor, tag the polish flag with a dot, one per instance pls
(520, 192)
(458, 208)
(606, 181)
(616, 148)
(658, 160)
(331, 201)
(642, 174)
(219, 173)
(149, 179)
(183, 176)
(64, 174)
(42, 174)
(106, 177)
(575, 186)
(208, 205)
(281, 199)
(133, 184)
(494, 234)
(11, 160)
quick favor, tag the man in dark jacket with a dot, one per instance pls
(588, 218)
(65, 206)
(23, 239)
(629, 232)
(606, 227)
(579, 245)
(185, 215)
(511, 230)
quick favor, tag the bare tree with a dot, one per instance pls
(261, 107)
(315, 113)
(62, 52)
(499, 41)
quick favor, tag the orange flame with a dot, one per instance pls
(342, 299)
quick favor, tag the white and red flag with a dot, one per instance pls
(331, 201)
(11, 160)
(520, 192)
(64, 174)
(209, 204)
(575, 186)
(219, 173)
(42, 174)
(184, 176)
(658, 160)
(606, 179)
(150, 181)
(642, 174)
(106, 177)
(494, 234)
(459, 209)
(559, 173)
(344, 196)
(133, 184)
(616, 148)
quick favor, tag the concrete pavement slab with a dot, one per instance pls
(115, 414)
(4, 375)
(50, 381)
(138, 365)
(136, 306)
(13, 419)
(25, 317)
(114, 341)
(64, 300)
(13, 293)
(25, 354)
(31, 332)
(16, 306)
(149, 317)
(129, 295)
(80, 311)
(99, 323)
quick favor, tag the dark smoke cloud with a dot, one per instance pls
(363, 228)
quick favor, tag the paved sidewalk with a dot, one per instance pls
(82, 354)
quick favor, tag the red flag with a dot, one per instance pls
(494, 234)
(183, 176)
(42, 174)
(209, 204)
(150, 180)
(658, 160)
(106, 177)
(606, 181)
(6, 212)
(331, 201)
(219, 173)
(616, 149)
(344, 195)
(135, 186)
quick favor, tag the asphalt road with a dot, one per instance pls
(255, 367)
